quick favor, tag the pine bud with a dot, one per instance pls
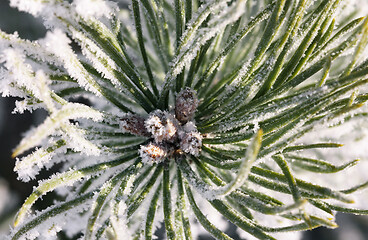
(185, 105)
(153, 153)
(162, 125)
(134, 124)
(191, 143)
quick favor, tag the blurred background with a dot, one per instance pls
(12, 126)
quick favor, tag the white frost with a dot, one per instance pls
(57, 43)
(93, 8)
(34, 7)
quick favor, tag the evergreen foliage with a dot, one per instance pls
(196, 115)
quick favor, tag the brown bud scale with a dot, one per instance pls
(185, 105)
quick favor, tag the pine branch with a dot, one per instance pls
(204, 112)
